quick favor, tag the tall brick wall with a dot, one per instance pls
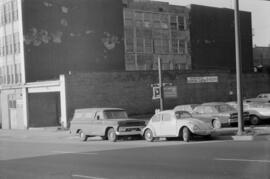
(132, 90)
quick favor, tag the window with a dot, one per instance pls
(181, 23)
(156, 118)
(140, 46)
(147, 20)
(173, 22)
(115, 114)
(182, 115)
(164, 21)
(199, 110)
(166, 117)
(128, 14)
(12, 101)
(148, 45)
(129, 45)
(209, 110)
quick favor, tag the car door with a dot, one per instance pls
(168, 125)
(97, 123)
(203, 113)
(155, 124)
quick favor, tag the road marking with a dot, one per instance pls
(84, 176)
(83, 153)
(242, 160)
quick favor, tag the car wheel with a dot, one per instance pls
(83, 137)
(254, 120)
(148, 135)
(216, 124)
(111, 135)
(186, 134)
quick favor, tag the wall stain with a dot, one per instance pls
(38, 37)
(110, 41)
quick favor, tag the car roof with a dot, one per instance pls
(213, 103)
(96, 109)
(264, 94)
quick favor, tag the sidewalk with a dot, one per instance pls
(250, 133)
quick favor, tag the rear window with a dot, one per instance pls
(83, 114)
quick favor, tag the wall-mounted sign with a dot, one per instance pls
(168, 91)
(203, 79)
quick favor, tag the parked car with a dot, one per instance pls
(257, 111)
(262, 98)
(109, 123)
(172, 123)
(218, 114)
(185, 107)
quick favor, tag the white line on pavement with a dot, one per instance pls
(84, 176)
(242, 160)
(82, 153)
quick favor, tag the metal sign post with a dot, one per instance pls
(160, 83)
(238, 67)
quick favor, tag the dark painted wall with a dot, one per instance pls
(212, 38)
(72, 35)
(132, 90)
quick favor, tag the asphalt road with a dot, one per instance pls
(95, 159)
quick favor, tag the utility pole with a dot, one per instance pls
(238, 67)
(160, 83)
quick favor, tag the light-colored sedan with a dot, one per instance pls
(257, 111)
(261, 98)
(171, 123)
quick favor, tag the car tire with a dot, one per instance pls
(148, 135)
(83, 137)
(216, 124)
(186, 134)
(111, 135)
(254, 120)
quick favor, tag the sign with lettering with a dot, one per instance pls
(203, 79)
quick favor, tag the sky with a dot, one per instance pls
(260, 10)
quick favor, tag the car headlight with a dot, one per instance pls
(121, 129)
(195, 128)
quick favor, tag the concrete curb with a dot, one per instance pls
(260, 137)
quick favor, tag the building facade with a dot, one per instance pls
(42, 39)
(261, 56)
(213, 39)
(155, 29)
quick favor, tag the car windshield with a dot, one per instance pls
(115, 114)
(224, 108)
(182, 114)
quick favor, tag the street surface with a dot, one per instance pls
(58, 155)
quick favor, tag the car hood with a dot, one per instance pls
(129, 122)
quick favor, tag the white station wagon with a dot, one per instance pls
(171, 123)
